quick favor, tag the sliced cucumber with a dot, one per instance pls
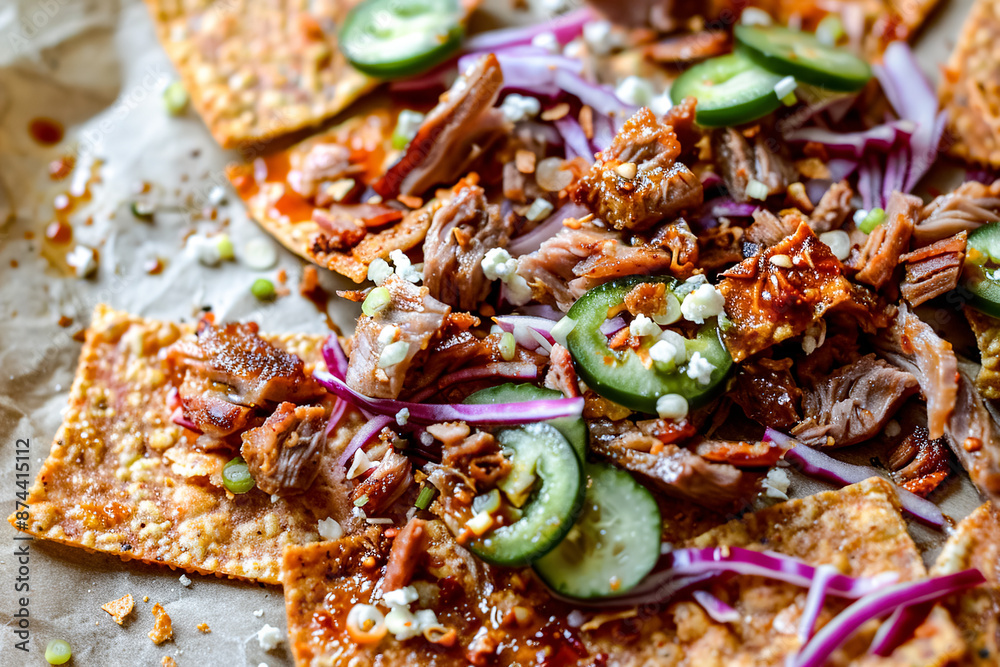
(730, 89)
(981, 269)
(554, 502)
(573, 429)
(615, 542)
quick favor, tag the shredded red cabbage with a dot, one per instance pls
(508, 370)
(817, 464)
(573, 136)
(601, 99)
(335, 357)
(565, 28)
(508, 414)
(856, 144)
(717, 610)
(837, 631)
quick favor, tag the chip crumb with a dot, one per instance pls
(259, 613)
(163, 630)
(145, 598)
(203, 627)
(185, 580)
(120, 608)
(168, 661)
(269, 637)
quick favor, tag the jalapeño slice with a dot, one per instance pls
(730, 90)
(800, 54)
(982, 264)
(397, 38)
(623, 375)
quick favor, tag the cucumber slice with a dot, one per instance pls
(573, 429)
(982, 269)
(615, 542)
(554, 502)
(800, 54)
(730, 90)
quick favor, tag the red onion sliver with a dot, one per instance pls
(574, 138)
(814, 463)
(475, 415)
(565, 28)
(898, 628)
(814, 601)
(601, 99)
(501, 370)
(837, 631)
(339, 408)
(365, 434)
(549, 227)
(718, 611)
(544, 311)
(334, 356)
(177, 417)
(855, 144)
(613, 326)
(522, 326)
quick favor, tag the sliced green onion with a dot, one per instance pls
(789, 99)
(142, 210)
(175, 98)
(407, 125)
(58, 652)
(830, 30)
(508, 346)
(360, 502)
(225, 247)
(874, 218)
(425, 497)
(562, 329)
(376, 301)
(263, 289)
(756, 190)
(236, 476)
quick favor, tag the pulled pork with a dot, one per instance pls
(476, 455)
(853, 403)
(462, 230)
(781, 291)
(739, 162)
(833, 208)
(973, 436)
(933, 270)
(675, 470)
(967, 207)
(408, 547)
(637, 181)
(386, 483)
(455, 133)
(283, 453)
(418, 319)
(877, 259)
(919, 464)
(767, 392)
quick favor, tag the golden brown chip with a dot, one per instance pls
(858, 530)
(122, 478)
(976, 543)
(987, 330)
(163, 629)
(258, 69)
(168, 662)
(203, 627)
(120, 608)
(970, 87)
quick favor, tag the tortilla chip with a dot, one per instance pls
(120, 608)
(288, 216)
(163, 629)
(976, 543)
(970, 87)
(122, 478)
(258, 69)
(987, 330)
(858, 529)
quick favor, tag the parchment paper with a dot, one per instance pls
(96, 67)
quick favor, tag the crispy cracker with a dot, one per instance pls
(976, 543)
(858, 529)
(123, 479)
(287, 216)
(970, 87)
(120, 608)
(987, 330)
(258, 69)
(163, 628)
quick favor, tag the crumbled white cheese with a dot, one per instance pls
(556, 6)
(755, 16)
(202, 248)
(393, 353)
(83, 260)
(379, 271)
(540, 209)
(839, 243)
(329, 529)
(547, 41)
(661, 104)
(776, 484)
(185, 580)
(672, 406)
(575, 618)
(703, 303)
(426, 439)
(403, 416)
(217, 195)
(518, 291)
(516, 108)
(401, 623)
(700, 369)
(498, 264)
(643, 326)
(814, 337)
(405, 268)
(401, 597)
(892, 429)
(668, 349)
(387, 335)
(269, 637)
(635, 91)
(756, 189)
(259, 254)
(600, 37)
(575, 48)
(258, 613)
(860, 215)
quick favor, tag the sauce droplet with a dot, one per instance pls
(45, 131)
(59, 232)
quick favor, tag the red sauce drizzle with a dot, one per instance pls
(45, 131)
